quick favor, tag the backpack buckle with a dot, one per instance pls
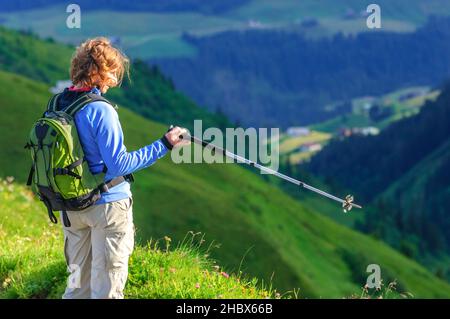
(129, 178)
(65, 171)
(103, 188)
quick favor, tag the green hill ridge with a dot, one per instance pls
(279, 238)
(262, 231)
(149, 93)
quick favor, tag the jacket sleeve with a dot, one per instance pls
(109, 137)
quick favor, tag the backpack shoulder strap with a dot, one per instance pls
(84, 99)
(51, 105)
(96, 97)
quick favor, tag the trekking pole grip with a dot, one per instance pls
(181, 137)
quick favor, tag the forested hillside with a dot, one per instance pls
(404, 172)
(147, 92)
(279, 78)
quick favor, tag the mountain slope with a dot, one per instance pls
(412, 213)
(32, 263)
(419, 203)
(279, 78)
(207, 7)
(233, 206)
(148, 93)
(404, 173)
(156, 30)
(426, 180)
(373, 163)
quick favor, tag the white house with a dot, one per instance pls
(366, 131)
(310, 147)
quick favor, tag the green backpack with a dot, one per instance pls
(59, 173)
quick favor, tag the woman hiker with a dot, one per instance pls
(100, 239)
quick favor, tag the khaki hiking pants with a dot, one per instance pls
(97, 246)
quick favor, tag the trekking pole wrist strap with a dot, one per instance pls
(166, 143)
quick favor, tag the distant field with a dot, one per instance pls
(289, 145)
(401, 108)
(321, 132)
(149, 35)
(324, 131)
(143, 35)
(300, 157)
(414, 11)
(350, 120)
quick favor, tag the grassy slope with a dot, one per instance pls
(32, 263)
(234, 207)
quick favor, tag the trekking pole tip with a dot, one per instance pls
(348, 204)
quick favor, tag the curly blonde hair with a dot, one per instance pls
(94, 61)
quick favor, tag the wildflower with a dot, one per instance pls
(216, 267)
(223, 273)
(366, 288)
(392, 285)
(197, 285)
(6, 282)
(10, 179)
(172, 270)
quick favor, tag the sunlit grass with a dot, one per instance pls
(32, 263)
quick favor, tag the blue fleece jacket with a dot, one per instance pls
(102, 139)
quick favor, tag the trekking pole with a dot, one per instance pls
(347, 203)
